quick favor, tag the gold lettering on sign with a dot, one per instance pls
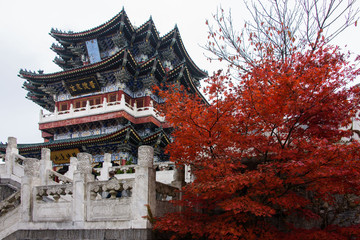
(78, 86)
(85, 86)
(72, 88)
(92, 84)
(82, 86)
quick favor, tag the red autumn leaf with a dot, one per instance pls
(271, 154)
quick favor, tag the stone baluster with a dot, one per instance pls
(82, 176)
(72, 167)
(45, 165)
(87, 106)
(122, 99)
(105, 103)
(144, 190)
(28, 181)
(71, 110)
(104, 172)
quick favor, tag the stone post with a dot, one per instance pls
(41, 116)
(105, 103)
(82, 175)
(179, 177)
(55, 111)
(28, 181)
(71, 110)
(87, 106)
(72, 167)
(11, 152)
(122, 100)
(104, 172)
(144, 189)
(45, 165)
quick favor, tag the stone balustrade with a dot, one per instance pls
(161, 166)
(125, 169)
(105, 107)
(13, 168)
(53, 192)
(112, 187)
(10, 203)
(77, 200)
(56, 177)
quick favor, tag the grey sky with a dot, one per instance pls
(25, 42)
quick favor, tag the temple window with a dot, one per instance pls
(80, 104)
(112, 97)
(95, 101)
(128, 99)
(63, 106)
(140, 102)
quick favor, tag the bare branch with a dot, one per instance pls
(279, 26)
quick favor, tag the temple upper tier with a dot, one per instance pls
(102, 100)
(112, 56)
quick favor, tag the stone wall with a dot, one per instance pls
(89, 234)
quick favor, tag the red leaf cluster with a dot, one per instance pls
(272, 155)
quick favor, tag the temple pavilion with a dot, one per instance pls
(102, 100)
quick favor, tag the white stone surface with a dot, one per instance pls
(76, 204)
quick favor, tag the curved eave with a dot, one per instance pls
(187, 78)
(155, 136)
(94, 32)
(108, 63)
(147, 67)
(61, 144)
(148, 32)
(63, 53)
(166, 41)
(149, 26)
(173, 74)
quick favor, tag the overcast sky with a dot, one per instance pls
(25, 42)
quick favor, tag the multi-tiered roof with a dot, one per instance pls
(137, 57)
(102, 100)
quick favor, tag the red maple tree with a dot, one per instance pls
(272, 155)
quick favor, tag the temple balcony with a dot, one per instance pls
(103, 108)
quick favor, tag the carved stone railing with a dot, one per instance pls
(165, 192)
(83, 202)
(53, 191)
(161, 166)
(56, 177)
(110, 200)
(124, 169)
(113, 186)
(10, 203)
